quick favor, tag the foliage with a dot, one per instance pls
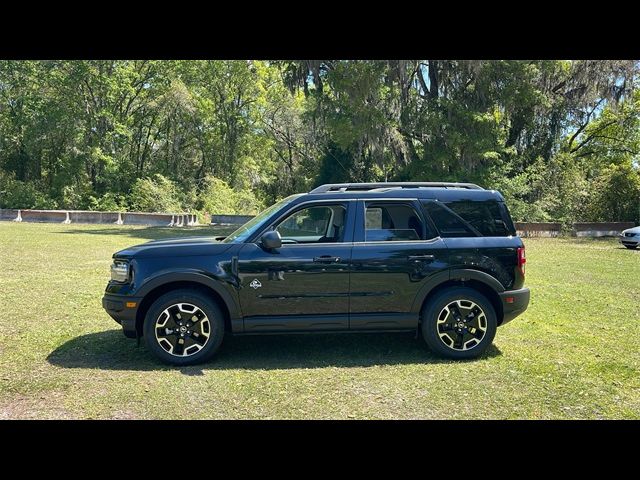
(84, 134)
(217, 197)
(17, 194)
(157, 194)
(109, 202)
(616, 194)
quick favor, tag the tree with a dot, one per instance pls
(83, 134)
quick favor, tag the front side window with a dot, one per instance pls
(393, 222)
(253, 225)
(316, 224)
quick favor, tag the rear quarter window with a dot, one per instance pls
(471, 218)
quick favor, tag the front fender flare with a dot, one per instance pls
(219, 285)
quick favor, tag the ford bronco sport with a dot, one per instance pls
(442, 259)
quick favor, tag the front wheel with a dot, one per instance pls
(631, 247)
(459, 323)
(184, 327)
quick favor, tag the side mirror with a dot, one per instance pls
(271, 240)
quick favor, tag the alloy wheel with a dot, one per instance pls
(182, 329)
(461, 325)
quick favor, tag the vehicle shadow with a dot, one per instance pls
(110, 350)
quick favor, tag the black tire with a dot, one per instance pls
(432, 331)
(170, 302)
(631, 247)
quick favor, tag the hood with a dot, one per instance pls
(632, 230)
(176, 247)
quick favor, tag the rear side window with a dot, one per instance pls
(394, 222)
(471, 218)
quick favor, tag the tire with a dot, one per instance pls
(439, 323)
(174, 312)
(631, 247)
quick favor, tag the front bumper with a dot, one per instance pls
(120, 308)
(514, 302)
(629, 241)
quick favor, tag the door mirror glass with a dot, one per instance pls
(271, 240)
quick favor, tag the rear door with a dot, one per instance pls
(396, 249)
(480, 236)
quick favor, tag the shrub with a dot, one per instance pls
(518, 190)
(615, 195)
(76, 197)
(217, 197)
(109, 202)
(17, 194)
(156, 194)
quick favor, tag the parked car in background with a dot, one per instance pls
(441, 259)
(630, 237)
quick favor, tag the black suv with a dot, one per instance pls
(441, 258)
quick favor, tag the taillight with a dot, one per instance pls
(522, 260)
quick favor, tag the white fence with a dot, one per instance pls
(230, 219)
(116, 218)
(524, 229)
(593, 229)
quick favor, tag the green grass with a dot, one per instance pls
(573, 354)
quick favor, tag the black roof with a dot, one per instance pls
(429, 190)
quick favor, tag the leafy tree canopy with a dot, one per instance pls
(559, 138)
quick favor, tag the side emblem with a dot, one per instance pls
(255, 284)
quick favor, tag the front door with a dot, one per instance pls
(304, 284)
(395, 252)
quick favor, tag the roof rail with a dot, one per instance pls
(343, 187)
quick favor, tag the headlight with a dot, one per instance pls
(120, 271)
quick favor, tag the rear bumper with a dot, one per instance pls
(117, 307)
(514, 302)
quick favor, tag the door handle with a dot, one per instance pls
(326, 259)
(420, 258)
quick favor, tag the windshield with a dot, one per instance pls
(249, 228)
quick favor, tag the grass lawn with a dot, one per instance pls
(573, 354)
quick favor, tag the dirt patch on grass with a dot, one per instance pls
(28, 408)
(123, 415)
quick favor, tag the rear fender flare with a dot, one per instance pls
(459, 274)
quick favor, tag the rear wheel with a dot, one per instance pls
(631, 247)
(459, 323)
(184, 327)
